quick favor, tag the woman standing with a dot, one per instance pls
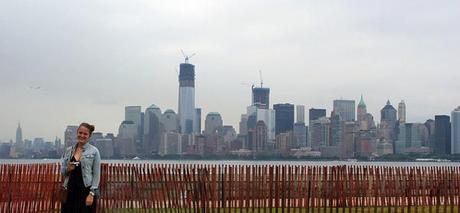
(81, 167)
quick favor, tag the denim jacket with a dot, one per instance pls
(90, 162)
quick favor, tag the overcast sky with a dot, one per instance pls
(92, 58)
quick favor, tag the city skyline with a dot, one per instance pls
(203, 119)
(91, 63)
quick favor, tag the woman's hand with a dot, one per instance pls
(89, 200)
(70, 167)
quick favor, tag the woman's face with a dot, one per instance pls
(82, 134)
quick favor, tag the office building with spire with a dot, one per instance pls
(388, 113)
(366, 134)
(388, 122)
(361, 111)
(19, 141)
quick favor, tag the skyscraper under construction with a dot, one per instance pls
(261, 97)
(186, 110)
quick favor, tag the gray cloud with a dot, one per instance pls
(92, 58)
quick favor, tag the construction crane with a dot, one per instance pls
(187, 57)
(248, 84)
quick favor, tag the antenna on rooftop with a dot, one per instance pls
(261, 80)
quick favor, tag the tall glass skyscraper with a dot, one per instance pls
(284, 117)
(442, 134)
(186, 110)
(455, 139)
(346, 109)
(152, 130)
(315, 114)
(300, 113)
(402, 112)
(134, 114)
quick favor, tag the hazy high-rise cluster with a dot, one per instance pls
(348, 131)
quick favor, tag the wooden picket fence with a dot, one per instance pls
(230, 188)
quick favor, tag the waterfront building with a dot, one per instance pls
(409, 139)
(442, 134)
(105, 147)
(283, 143)
(366, 143)
(171, 144)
